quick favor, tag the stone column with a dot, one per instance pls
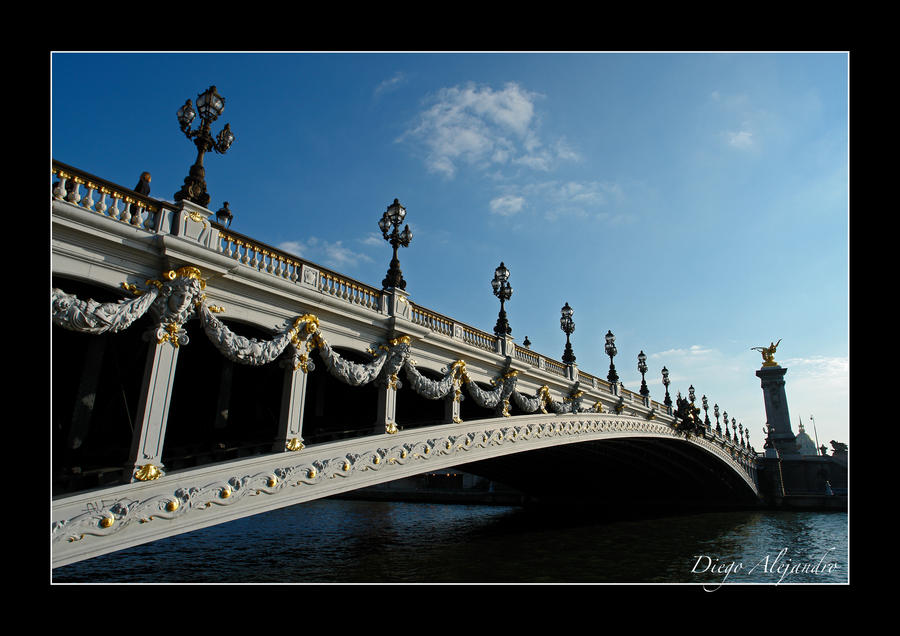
(386, 420)
(293, 399)
(777, 416)
(153, 412)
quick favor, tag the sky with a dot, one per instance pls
(694, 204)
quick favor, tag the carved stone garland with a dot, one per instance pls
(179, 297)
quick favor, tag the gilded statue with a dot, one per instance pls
(768, 353)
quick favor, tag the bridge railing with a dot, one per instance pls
(104, 197)
(126, 206)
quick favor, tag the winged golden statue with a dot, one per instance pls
(768, 353)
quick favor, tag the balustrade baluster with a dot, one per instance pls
(114, 206)
(88, 199)
(73, 196)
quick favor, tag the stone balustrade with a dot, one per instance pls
(126, 206)
(104, 198)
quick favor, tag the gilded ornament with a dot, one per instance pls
(272, 481)
(311, 473)
(391, 428)
(172, 506)
(294, 444)
(225, 493)
(147, 472)
(768, 353)
(106, 522)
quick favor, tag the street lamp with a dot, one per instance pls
(725, 419)
(611, 351)
(716, 413)
(224, 215)
(568, 326)
(393, 217)
(666, 382)
(705, 411)
(502, 290)
(210, 106)
(642, 368)
(691, 395)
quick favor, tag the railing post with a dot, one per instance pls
(153, 412)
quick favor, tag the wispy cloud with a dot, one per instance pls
(742, 139)
(507, 205)
(573, 199)
(390, 84)
(331, 254)
(479, 126)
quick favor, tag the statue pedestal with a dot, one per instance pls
(777, 415)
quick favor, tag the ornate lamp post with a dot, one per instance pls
(611, 351)
(642, 368)
(210, 106)
(691, 395)
(568, 326)
(393, 217)
(725, 419)
(716, 413)
(502, 290)
(705, 403)
(666, 382)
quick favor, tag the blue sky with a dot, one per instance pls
(696, 204)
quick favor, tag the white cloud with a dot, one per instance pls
(507, 205)
(331, 254)
(391, 83)
(742, 139)
(483, 127)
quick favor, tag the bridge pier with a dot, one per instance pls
(153, 411)
(290, 435)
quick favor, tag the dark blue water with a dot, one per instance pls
(336, 541)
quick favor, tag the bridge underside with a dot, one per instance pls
(643, 474)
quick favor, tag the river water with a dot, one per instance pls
(344, 541)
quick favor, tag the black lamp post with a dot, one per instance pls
(642, 368)
(691, 396)
(666, 382)
(716, 413)
(705, 403)
(210, 105)
(611, 351)
(568, 326)
(502, 290)
(393, 217)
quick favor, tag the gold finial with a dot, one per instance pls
(768, 353)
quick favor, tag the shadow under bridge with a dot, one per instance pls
(643, 474)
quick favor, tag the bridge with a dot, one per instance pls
(200, 376)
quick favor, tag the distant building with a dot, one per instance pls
(805, 445)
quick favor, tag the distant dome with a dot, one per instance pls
(805, 445)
